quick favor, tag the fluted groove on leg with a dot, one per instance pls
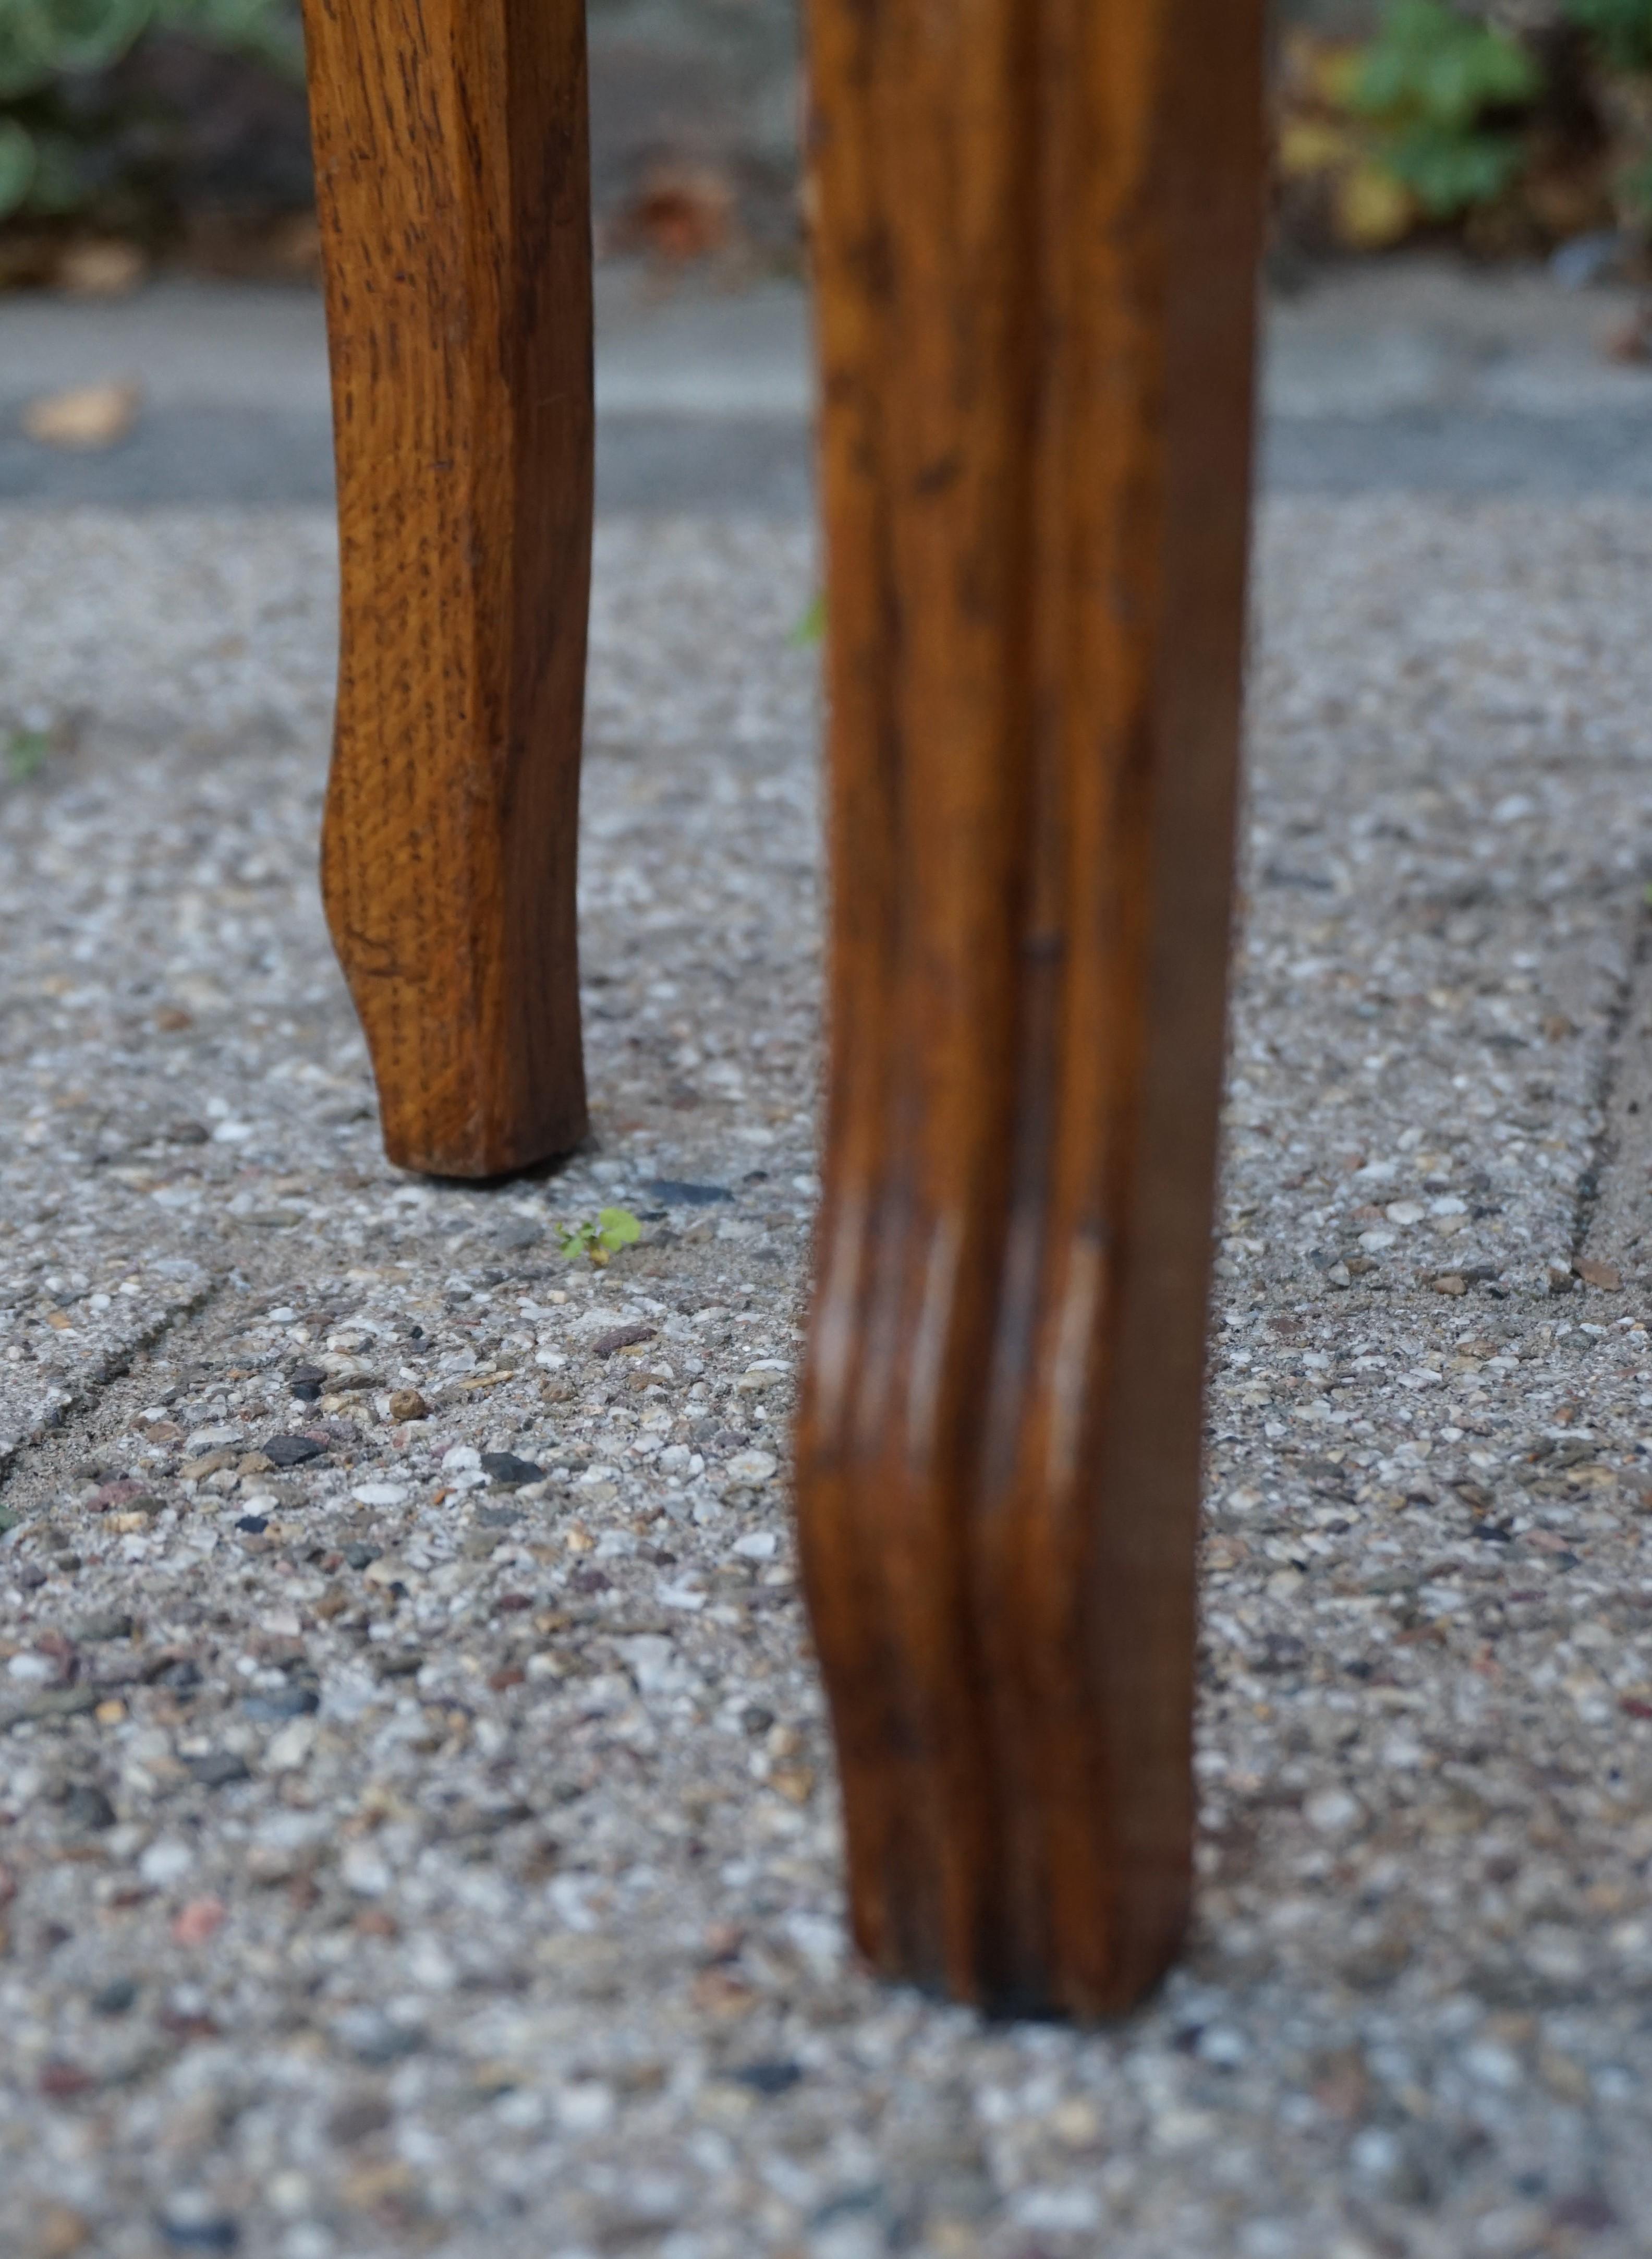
(1036, 233)
(453, 181)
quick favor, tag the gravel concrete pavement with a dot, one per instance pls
(417, 1825)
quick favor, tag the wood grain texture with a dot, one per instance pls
(1037, 225)
(453, 180)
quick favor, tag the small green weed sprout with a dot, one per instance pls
(614, 1229)
(27, 753)
(811, 628)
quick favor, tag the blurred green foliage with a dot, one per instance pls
(26, 754)
(43, 39)
(48, 45)
(1621, 32)
(135, 115)
(1621, 29)
(1433, 84)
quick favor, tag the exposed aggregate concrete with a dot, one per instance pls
(406, 1849)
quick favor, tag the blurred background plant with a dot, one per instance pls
(1510, 129)
(1444, 95)
(147, 121)
(1622, 28)
(132, 129)
(176, 129)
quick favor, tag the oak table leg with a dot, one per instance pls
(1037, 225)
(453, 179)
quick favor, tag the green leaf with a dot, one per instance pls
(1622, 28)
(17, 165)
(614, 1229)
(27, 753)
(264, 28)
(811, 628)
(61, 183)
(617, 1228)
(1634, 185)
(9, 1520)
(43, 40)
(1451, 173)
(1438, 86)
(1430, 64)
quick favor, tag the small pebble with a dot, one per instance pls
(198, 1922)
(509, 1471)
(220, 1769)
(292, 1450)
(87, 1806)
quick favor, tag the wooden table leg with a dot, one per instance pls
(1038, 228)
(453, 177)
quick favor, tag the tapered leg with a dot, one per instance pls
(1038, 228)
(453, 179)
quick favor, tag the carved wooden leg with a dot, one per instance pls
(1037, 226)
(453, 176)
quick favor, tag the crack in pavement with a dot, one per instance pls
(1614, 1203)
(1618, 1014)
(81, 1395)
